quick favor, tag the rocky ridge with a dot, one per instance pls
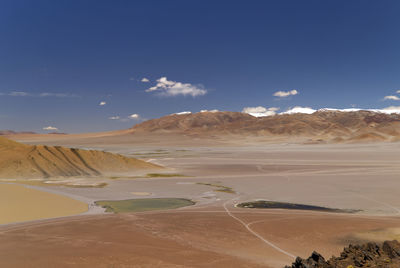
(386, 255)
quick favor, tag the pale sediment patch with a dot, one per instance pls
(377, 235)
(141, 193)
(19, 203)
(66, 182)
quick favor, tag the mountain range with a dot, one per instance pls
(331, 126)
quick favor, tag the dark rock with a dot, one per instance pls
(314, 261)
(316, 257)
(391, 248)
(370, 254)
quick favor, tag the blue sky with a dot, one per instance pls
(60, 59)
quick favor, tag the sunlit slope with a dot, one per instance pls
(26, 161)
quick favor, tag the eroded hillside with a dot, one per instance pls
(19, 160)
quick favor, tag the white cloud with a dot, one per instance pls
(102, 103)
(283, 94)
(184, 112)
(125, 119)
(260, 111)
(300, 110)
(134, 116)
(18, 94)
(145, 80)
(392, 109)
(209, 111)
(344, 110)
(308, 110)
(41, 95)
(398, 91)
(58, 95)
(169, 88)
(392, 97)
(50, 128)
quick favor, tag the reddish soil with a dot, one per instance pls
(202, 237)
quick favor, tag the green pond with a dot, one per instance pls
(145, 204)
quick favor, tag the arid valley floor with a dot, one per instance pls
(213, 232)
(199, 134)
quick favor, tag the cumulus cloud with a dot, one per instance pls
(125, 119)
(284, 94)
(50, 128)
(392, 109)
(133, 116)
(300, 110)
(145, 80)
(102, 103)
(209, 111)
(169, 88)
(391, 97)
(184, 112)
(260, 111)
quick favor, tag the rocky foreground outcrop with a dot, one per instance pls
(386, 255)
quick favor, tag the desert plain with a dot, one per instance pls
(360, 179)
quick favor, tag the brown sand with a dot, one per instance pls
(18, 203)
(206, 237)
